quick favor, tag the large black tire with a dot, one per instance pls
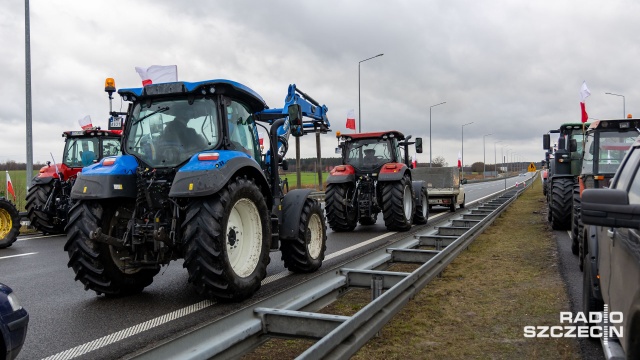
(306, 253)
(397, 204)
(101, 267)
(421, 216)
(36, 199)
(464, 201)
(589, 302)
(576, 222)
(227, 238)
(9, 223)
(341, 216)
(561, 203)
(452, 206)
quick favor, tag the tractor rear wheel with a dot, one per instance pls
(9, 223)
(341, 215)
(561, 203)
(306, 253)
(397, 204)
(576, 222)
(227, 238)
(99, 266)
(422, 208)
(41, 220)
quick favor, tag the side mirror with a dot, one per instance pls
(546, 142)
(295, 119)
(285, 165)
(609, 207)
(419, 145)
(573, 145)
(561, 143)
(463, 181)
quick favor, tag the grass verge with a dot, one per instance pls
(507, 279)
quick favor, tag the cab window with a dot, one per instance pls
(243, 133)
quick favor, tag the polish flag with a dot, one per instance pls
(157, 74)
(414, 161)
(459, 161)
(351, 120)
(85, 122)
(584, 93)
(10, 187)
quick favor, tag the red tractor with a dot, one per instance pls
(375, 177)
(48, 199)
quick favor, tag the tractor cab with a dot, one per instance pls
(367, 153)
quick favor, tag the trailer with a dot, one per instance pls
(443, 186)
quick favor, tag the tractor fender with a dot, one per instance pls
(342, 174)
(100, 181)
(417, 187)
(393, 174)
(209, 177)
(103, 187)
(292, 205)
(38, 180)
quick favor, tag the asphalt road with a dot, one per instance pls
(68, 322)
(572, 276)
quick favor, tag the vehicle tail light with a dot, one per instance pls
(208, 156)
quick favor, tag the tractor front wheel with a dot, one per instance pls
(397, 204)
(227, 237)
(341, 214)
(99, 266)
(9, 223)
(306, 253)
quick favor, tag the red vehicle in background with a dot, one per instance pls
(48, 199)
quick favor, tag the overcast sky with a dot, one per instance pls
(513, 68)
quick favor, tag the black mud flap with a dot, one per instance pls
(292, 205)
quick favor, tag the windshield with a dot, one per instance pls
(84, 151)
(368, 154)
(608, 148)
(167, 133)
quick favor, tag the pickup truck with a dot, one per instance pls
(443, 186)
(611, 274)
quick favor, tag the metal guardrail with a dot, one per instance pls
(291, 313)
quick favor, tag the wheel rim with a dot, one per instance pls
(244, 237)
(406, 197)
(314, 236)
(6, 223)
(121, 256)
(424, 206)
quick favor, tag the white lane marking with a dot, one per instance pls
(10, 256)
(128, 332)
(38, 237)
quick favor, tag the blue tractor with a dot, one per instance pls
(193, 184)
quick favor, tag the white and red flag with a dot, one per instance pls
(85, 122)
(351, 120)
(10, 187)
(156, 74)
(459, 160)
(414, 161)
(584, 93)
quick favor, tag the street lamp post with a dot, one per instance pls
(484, 156)
(495, 160)
(624, 110)
(359, 110)
(462, 157)
(430, 151)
